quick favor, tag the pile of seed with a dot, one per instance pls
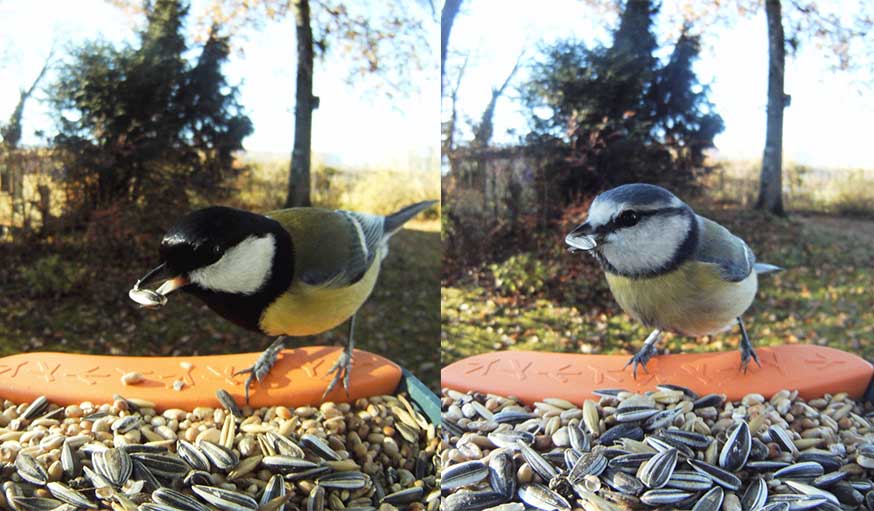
(666, 448)
(375, 453)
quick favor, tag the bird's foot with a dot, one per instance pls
(746, 353)
(341, 370)
(641, 358)
(263, 365)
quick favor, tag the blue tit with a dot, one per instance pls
(292, 272)
(669, 268)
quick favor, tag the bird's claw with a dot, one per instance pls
(747, 353)
(341, 370)
(263, 365)
(640, 358)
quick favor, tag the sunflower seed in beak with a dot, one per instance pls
(146, 297)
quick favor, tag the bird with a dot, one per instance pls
(668, 267)
(291, 272)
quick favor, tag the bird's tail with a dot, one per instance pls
(763, 268)
(394, 221)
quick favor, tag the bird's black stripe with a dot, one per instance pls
(613, 226)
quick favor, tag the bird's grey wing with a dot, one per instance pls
(719, 246)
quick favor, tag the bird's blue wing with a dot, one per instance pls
(717, 245)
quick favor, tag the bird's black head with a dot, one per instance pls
(236, 261)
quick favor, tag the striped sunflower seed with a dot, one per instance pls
(755, 496)
(30, 470)
(463, 474)
(192, 455)
(344, 480)
(316, 499)
(803, 470)
(220, 456)
(275, 488)
(510, 439)
(664, 496)
(226, 500)
(689, 480)
(320, 447)
(502, 473)
(403, 497)
(736, 451)
(656, 471)
(177, 500)
(710, 501)
(66, 494)
(539, 496)
(721, 477)
(113, 464)
(472, 500)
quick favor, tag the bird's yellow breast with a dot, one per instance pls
(309, 310)
(691, 300)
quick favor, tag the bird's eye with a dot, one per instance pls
(627, 218)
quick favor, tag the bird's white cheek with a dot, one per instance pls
(243, 269)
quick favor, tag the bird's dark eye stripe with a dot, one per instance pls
(612, 225)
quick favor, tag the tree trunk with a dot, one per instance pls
(447, 17)
(770, 188)
(305, 103)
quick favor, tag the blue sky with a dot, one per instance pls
(828, 123)
(350, 127)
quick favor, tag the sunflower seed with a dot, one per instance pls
(655, 472)
(192, 455)
(635, 414)
(30, 470)
(829, 462)
(721, 477)
(463, 474)
(284, 445)
(227, 500)
(194, 477)
(539, 496)
(162, 465)
(580, 440)
(766, 466)
(285, 464)
(805, 469)
(812, 491)
(177, 500)
(151, 506)
(510, 439)
(472, 500)
(125, 424)
(846, 494)
(736, 451)
(782, 438)
(220, 456)
(404, 496)
(541, 467)
(66, 494)
(502, 473)
(590, 463)
(661, 419)
(512, 417)
(228, 402)
(664, 496)
(70, 463)
(755, 495)
(623, 430)
(35, 503)
(316, 499)
(591, 418)
(687, 391)
(318, 446)
(710, 400)
(275, 488)
(630, 463)
(344, 480)
(113, 464)
(308, 474)
(689, 481)
(35, 408)
(623, 483)
(710, 501)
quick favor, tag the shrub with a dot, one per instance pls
(520, 274)
(52, 276)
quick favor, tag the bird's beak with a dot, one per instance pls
(158, 297)
(582, 238)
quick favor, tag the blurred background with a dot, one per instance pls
(542, 110)
(117, 117)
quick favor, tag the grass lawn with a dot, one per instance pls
(824, 297)
(399, 321)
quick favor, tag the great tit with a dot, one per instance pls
(295, 272)
(669, 268)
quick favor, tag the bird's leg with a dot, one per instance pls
(264, 364)
(343, 366)
(646, 352)
(746, 348)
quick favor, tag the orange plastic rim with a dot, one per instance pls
(532, 376)
(299, 378)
